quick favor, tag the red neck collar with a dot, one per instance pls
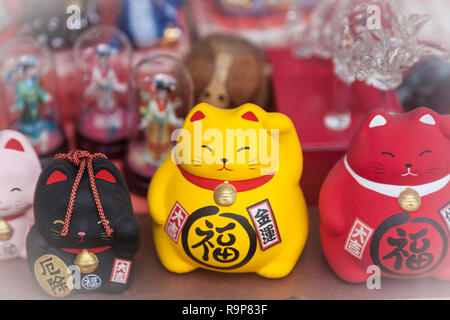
(91, 250)
(211, 184)
(13, 217)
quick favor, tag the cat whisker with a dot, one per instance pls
(380, 172)
(380, 169)
(380, 164)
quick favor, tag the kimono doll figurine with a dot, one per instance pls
(30, 98)
(159, 118)
(103, 86)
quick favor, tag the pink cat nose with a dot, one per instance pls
(81, 234)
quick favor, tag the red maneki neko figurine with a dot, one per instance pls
(387, 202)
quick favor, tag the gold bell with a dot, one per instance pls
(409, 200)
(225, 194)
(172, 34)
(86, 261)
(6, 232)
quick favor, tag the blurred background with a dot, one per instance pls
(285, 56)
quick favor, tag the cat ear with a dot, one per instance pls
(377, 121)
(13, 140)
(198, 115)
(250, 116)
(198, 112)
(105, 175)
(428, 119)
(56, 176)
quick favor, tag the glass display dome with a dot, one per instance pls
(30, 95)
(103, 57)
(161, 96)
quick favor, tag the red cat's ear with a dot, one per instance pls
(55, 177)
(377, 120)
(428, 119)
(105, 175)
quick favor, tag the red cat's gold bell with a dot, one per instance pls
(6, 232)
(86, 261)
(409, 200)
(225, 194)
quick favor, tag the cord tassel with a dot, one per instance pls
(83, 159)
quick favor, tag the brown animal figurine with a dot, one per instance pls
(229, 71)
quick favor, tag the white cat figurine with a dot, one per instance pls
(19, 172)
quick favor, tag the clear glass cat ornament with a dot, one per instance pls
(103, 57)
(161, 95)
(30, 95)
(368, 40)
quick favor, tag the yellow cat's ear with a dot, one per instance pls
(198, 112)
(275, 120)
(251, 112)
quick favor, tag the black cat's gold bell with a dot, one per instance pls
(86, 261)
(6, 231)
(225, 194)
(409, 200)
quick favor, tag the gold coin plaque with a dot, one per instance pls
(53, 275)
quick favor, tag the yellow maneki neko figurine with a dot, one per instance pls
(228, 198)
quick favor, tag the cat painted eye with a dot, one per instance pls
(58, 222)
(105, 175)
(388, 154)
(243, 148)
(100, 221)
(206, 147)
(16, 189)
(423, 152)
(56, 176)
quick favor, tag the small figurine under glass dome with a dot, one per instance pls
(103, 55)
(106, 115)
(30, 96)
(162, 90)
(159, 117)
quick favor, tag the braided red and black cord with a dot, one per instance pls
(83, 159)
